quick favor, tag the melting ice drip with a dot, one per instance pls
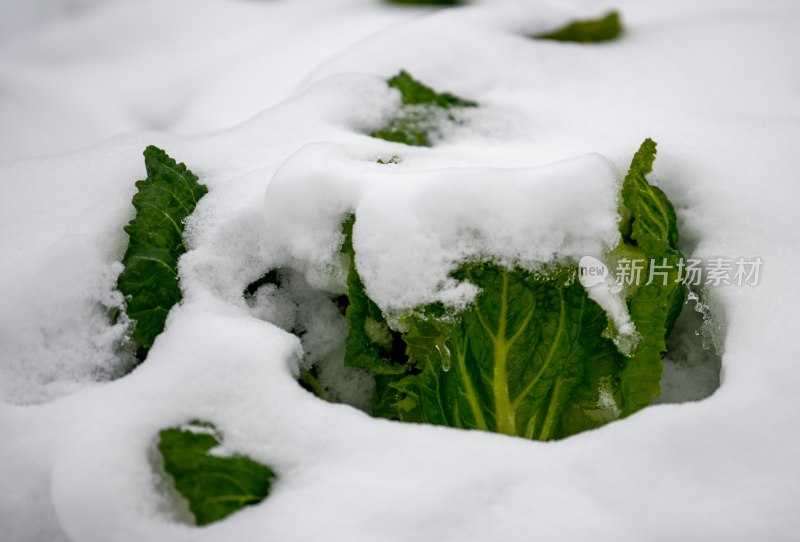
(444, 355)
(710, 330)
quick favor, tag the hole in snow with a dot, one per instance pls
(693, 361)
(284, 298)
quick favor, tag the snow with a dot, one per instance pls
(413, 227)
(714, 84)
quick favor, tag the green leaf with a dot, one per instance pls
(653, 219)
(371, 344)
(214, 486)
(526, 351)
(606, 28)
(414, 92)
(149, 280)
(422, 112)
(653, 307)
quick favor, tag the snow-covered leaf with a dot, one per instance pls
(532, 356)
(422, 112)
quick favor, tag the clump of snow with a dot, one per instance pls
(414, 227)
(604, 290)
(605, 400)
(315, 318)
(67, 332)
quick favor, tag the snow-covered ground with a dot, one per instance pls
(268, 102)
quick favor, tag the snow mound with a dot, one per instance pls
(415, 226)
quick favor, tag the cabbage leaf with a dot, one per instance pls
(149, 280)
(532, 356)
(215, 486)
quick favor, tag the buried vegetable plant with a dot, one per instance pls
(534, 355)
(214, 486)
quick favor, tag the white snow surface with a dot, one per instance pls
(414, 226)
(715, 84)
